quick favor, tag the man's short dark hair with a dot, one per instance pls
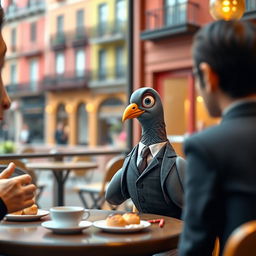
(229, 47)
(1, 16)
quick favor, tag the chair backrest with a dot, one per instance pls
(27, 150)
(242, 241)
(113, 165)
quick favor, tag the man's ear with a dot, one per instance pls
(210, 77)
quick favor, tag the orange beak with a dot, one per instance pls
(132, 111)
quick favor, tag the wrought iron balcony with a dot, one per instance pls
(171, 21)
(108, 32)
(58, 41)
(108, 77)
(67, 81)
(79, 38)
(250, 12)
(24, 89)
(33, 7)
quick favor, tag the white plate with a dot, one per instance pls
(41, 213)
(127, 229)
(71, 230)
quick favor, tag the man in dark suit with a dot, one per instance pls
(16, 193)
(220, 181)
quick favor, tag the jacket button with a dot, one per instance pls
(142, 199)
(141, 185)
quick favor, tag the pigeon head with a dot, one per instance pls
(146, 106)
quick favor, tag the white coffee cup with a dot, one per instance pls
(68, 216)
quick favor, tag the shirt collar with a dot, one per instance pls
(154, 148)
(236, 104)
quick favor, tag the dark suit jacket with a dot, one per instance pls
(220, 182)
(162, 185)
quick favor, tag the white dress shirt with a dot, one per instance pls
(154, 149)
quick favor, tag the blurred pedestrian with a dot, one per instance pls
(25, 134)
(61, 134)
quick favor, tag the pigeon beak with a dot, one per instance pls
(132, 111)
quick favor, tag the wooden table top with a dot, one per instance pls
(30, 238)
(55, 166)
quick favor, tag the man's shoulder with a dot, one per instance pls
(208, 136)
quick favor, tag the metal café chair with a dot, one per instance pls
(96, 191)
(242, 241)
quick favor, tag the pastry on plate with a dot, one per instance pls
(115, 220)
(131, 218)
(32, 210)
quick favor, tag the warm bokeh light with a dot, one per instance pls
(199, 99)
(227, 9)
(49, 109)
(69, 108)
(89, 107)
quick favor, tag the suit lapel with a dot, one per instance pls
(130, 157)
(168, 161)
(154, 162)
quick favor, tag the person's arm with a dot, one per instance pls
(16, 193)
(114, 193)
(201, 205)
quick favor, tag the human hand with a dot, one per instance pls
(17, 193)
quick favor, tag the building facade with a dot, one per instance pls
(24, 67)
(85, 70)
(80, 72)
(163, 35)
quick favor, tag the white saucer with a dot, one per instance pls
(66, 230)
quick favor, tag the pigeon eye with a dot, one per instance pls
(148, 101)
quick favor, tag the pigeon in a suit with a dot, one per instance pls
(159, 188)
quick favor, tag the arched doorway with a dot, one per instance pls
(110, 121)
(82, 125)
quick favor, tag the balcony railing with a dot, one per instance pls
(250, 12)
(79, 38)
(108, 77)
(58, 41)
(108, 32)
(66, 81)
(113, 73)
(24, 89)
(76, 38)
(171, 20)
(33, 7)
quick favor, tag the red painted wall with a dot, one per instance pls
(154, 61)
(29, 50)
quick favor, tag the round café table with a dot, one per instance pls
(61, 172)
(30, 239)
